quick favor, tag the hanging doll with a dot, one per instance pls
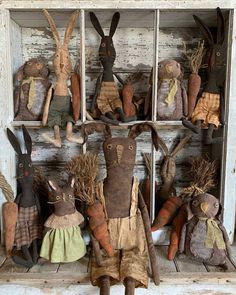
(204, 237)
(210, 106)
(128, 222)
(58, 107)
(62, 241)
(106, 93)
(28, 228)
(172, 103)
(30, 95)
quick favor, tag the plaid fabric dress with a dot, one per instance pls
(28, 227)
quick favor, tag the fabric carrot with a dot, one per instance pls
(98, 226)
(167, 212)
(194, 83)
(127, 95)
(177, 225)
(76, 97)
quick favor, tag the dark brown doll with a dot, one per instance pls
(210, 106)
(172, 103)
(30, 95)
(28, 227)
(204, 237)
(106, 93)
(62, 241)
(129, 230)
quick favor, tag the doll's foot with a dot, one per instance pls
(129, 119)
(21, 262)
(188, 124)
(55, 142)
(209, 139)
(109, 120)
(70, 136)
(42, 260)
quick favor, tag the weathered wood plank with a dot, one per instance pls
(79, 267)
(44, 268)
(184, 264)
(10, 267)
(165, 266)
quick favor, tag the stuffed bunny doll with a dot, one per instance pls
(204, 237)
(30, 95)
(28, 228)
(58, 113)
(210, 106)
(172, 103)
(62, 241)
(128, 228)
(106, 93)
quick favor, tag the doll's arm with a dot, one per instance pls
(46, 107)
(185, 101)
(182, 239)
(17, 199)
(227, 244)
(97, 89)
(222, 107)
(37, 204)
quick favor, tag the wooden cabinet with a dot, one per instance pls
(148, 31)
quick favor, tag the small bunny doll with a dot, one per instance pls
(62, 241)
(59, 114)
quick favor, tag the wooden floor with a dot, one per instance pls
(181, 270)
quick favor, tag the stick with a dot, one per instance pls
(151, 247)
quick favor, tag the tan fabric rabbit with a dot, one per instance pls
(58, 108)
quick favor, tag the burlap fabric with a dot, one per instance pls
(127, 237)
(207, 109)
(28, 227)
(108, 99)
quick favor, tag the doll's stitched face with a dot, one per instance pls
(119, 152)
(24, 167)
(35, 68)
(107, 53)
(65, 194)
(62, 63)
(168, 69)
(205, 205)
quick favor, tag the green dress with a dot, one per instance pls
(63, 242)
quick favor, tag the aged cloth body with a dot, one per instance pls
(127, 237)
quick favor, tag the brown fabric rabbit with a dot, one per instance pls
(59, 112)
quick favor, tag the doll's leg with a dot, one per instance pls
(196, 128)
(123, 118)
(109, 118)
(70, 136)
(104, 285)
(129, 286)
(56, 141)
(210, 130)
(35, 251)
(27, 262)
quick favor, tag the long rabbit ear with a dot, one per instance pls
(96, 24)
(52, 26)
(14, 141)
(220, 27)
(180, 145)
(53, 185)
(70, 27)
(88, 129)
(163, 146)
(137, 129)
(27, 139)
(114, 23)
(204, 29)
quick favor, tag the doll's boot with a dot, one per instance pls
(209, 139)
(123, 118)
(105, 285)
(196, 128)
(109, 118)
(129, 286)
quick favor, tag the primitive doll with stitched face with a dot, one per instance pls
(62, 241)
(171, 96)
(210, 106)
(204, 237)
(58, 112)
(126, 224)
(30, 97)
(106, 93)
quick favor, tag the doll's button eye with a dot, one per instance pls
(57, 197)
(103, 44)
(217, 53)
(30, 165)
(195, 203)
(109, 146)
(216, 205)
(70, 196)
(21, 165)
(29, 63)
(131, 147)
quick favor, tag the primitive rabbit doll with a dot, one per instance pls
(204, 237)
(172, 102)
(210, 106)
(58, 114)
(28, 228)
(30, 95)
(62, 241)
(128, 229)
(106, 93)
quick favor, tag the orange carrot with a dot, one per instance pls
(10, 213)
(76, 98)
(98, 226)
(194, 83)
(127, 95)
(177, 225)
(167, 212)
